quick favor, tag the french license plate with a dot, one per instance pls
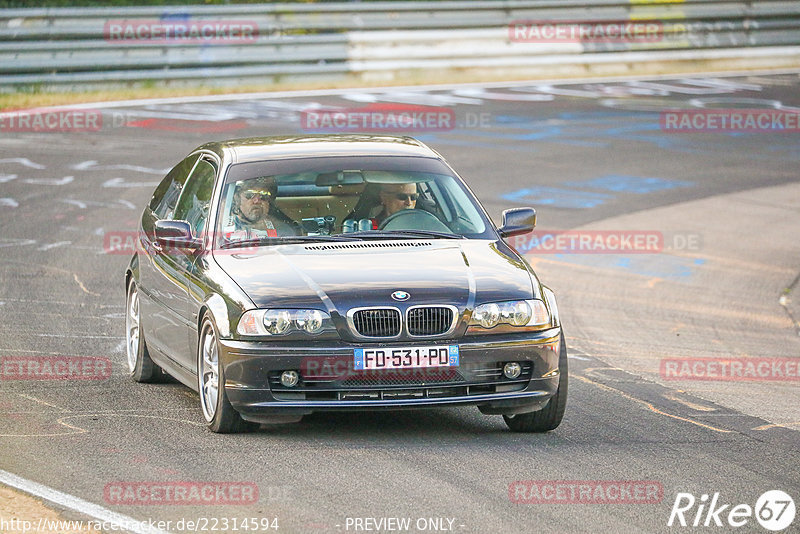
(406, 357)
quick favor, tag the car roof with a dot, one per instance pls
(322, 145)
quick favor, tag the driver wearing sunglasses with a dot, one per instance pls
(396, 197)
(255, 214)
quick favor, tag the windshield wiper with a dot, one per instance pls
(394, 234)
(286, 240)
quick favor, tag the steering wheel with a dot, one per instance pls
(414, 219)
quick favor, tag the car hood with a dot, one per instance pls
(343, 275)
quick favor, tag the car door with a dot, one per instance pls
(158, 306)
(193, 206)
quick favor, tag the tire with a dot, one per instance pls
(140, 366)
(549, 417)
(219, 415)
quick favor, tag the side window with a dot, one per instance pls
(196, 196)
(166, 195)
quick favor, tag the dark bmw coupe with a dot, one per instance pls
(281, 276)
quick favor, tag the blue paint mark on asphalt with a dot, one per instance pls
(571, 198)
(584, 129)
(653, 266)
(630, 184)
(554, 196)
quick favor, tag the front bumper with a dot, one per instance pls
(329, 382)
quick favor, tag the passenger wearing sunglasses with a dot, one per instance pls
(396, 197)
(255, 214)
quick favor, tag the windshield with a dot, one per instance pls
(357, 198)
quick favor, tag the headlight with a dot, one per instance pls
(514, 313)
(486, 315)
(277, 321)
(309, 320)
(282, 322)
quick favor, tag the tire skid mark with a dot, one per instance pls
(673, 396)
(599, 372)
(45, 403)
(693, 405)
(64, 271)
(83, 287)
(80, 430)
(777, 425)
(649, 405)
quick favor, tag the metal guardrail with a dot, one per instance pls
(73, 45)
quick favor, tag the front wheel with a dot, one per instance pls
(549, 417)
(217, 410)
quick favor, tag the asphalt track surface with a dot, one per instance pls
(589, 156)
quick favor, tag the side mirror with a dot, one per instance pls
(517, 221)
(177, 234)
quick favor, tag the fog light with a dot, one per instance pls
(512, 370)
(289, 379)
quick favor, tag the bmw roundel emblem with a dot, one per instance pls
(400, 295)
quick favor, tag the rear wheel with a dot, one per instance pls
(141, 367)
(549, 417)
(217, 410)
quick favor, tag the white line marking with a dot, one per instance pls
(573, 357)
(71, 502)
(83, 204)
(80, 336)
(437, 87)
(23, 161)
(78, 203)
(33, 351)
(54, 245)
(49, 181)
(120, 182)
(9, 202)
(7, 178)
(481, 93)
(49, 302)
(92, 165)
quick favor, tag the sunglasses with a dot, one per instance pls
(403, 196)
(263, 195)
